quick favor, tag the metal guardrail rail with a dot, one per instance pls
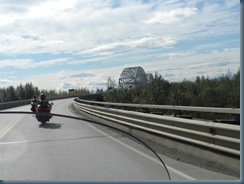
(163, 107)
(12, 104)
(215, 136)
(7, 105)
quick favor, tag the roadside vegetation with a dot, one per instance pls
(222, 91)
(25, 92)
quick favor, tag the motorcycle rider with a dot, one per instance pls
(34, 99)
(43, 100)
(34, 103)
(43, 106)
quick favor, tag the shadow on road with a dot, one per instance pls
(50, 125)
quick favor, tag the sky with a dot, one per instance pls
(64, 44)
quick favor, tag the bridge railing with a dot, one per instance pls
(220, 137)
(7, 105)
(12, 104)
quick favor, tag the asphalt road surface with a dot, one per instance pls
(74, 150)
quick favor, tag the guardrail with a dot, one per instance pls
(7, 105)
(12, 104)
(220, 137)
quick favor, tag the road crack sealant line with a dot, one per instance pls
(4, 131)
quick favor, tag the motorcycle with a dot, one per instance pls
(43, 112)
(34, 106)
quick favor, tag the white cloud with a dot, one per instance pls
(48, 63)
(174, 55)
(73, 26)
(147, 42)
(2, 81)
(18, 63)
(210, 64)
(29, 63)
(172, 16)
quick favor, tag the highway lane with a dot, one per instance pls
(74, 150)
(67, 149)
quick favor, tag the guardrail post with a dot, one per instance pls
(237, 119)
(145, 110)
(176, 113)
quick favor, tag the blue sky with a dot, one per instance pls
(62, 44)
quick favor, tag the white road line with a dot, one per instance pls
(180, 173)
(10, 126)
(137, 151)
(69, 110)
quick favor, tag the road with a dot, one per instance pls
(71, 150)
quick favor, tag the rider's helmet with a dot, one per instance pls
(34, 96)
(42, 96)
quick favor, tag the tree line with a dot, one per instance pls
(222, 91)
(28, 90)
